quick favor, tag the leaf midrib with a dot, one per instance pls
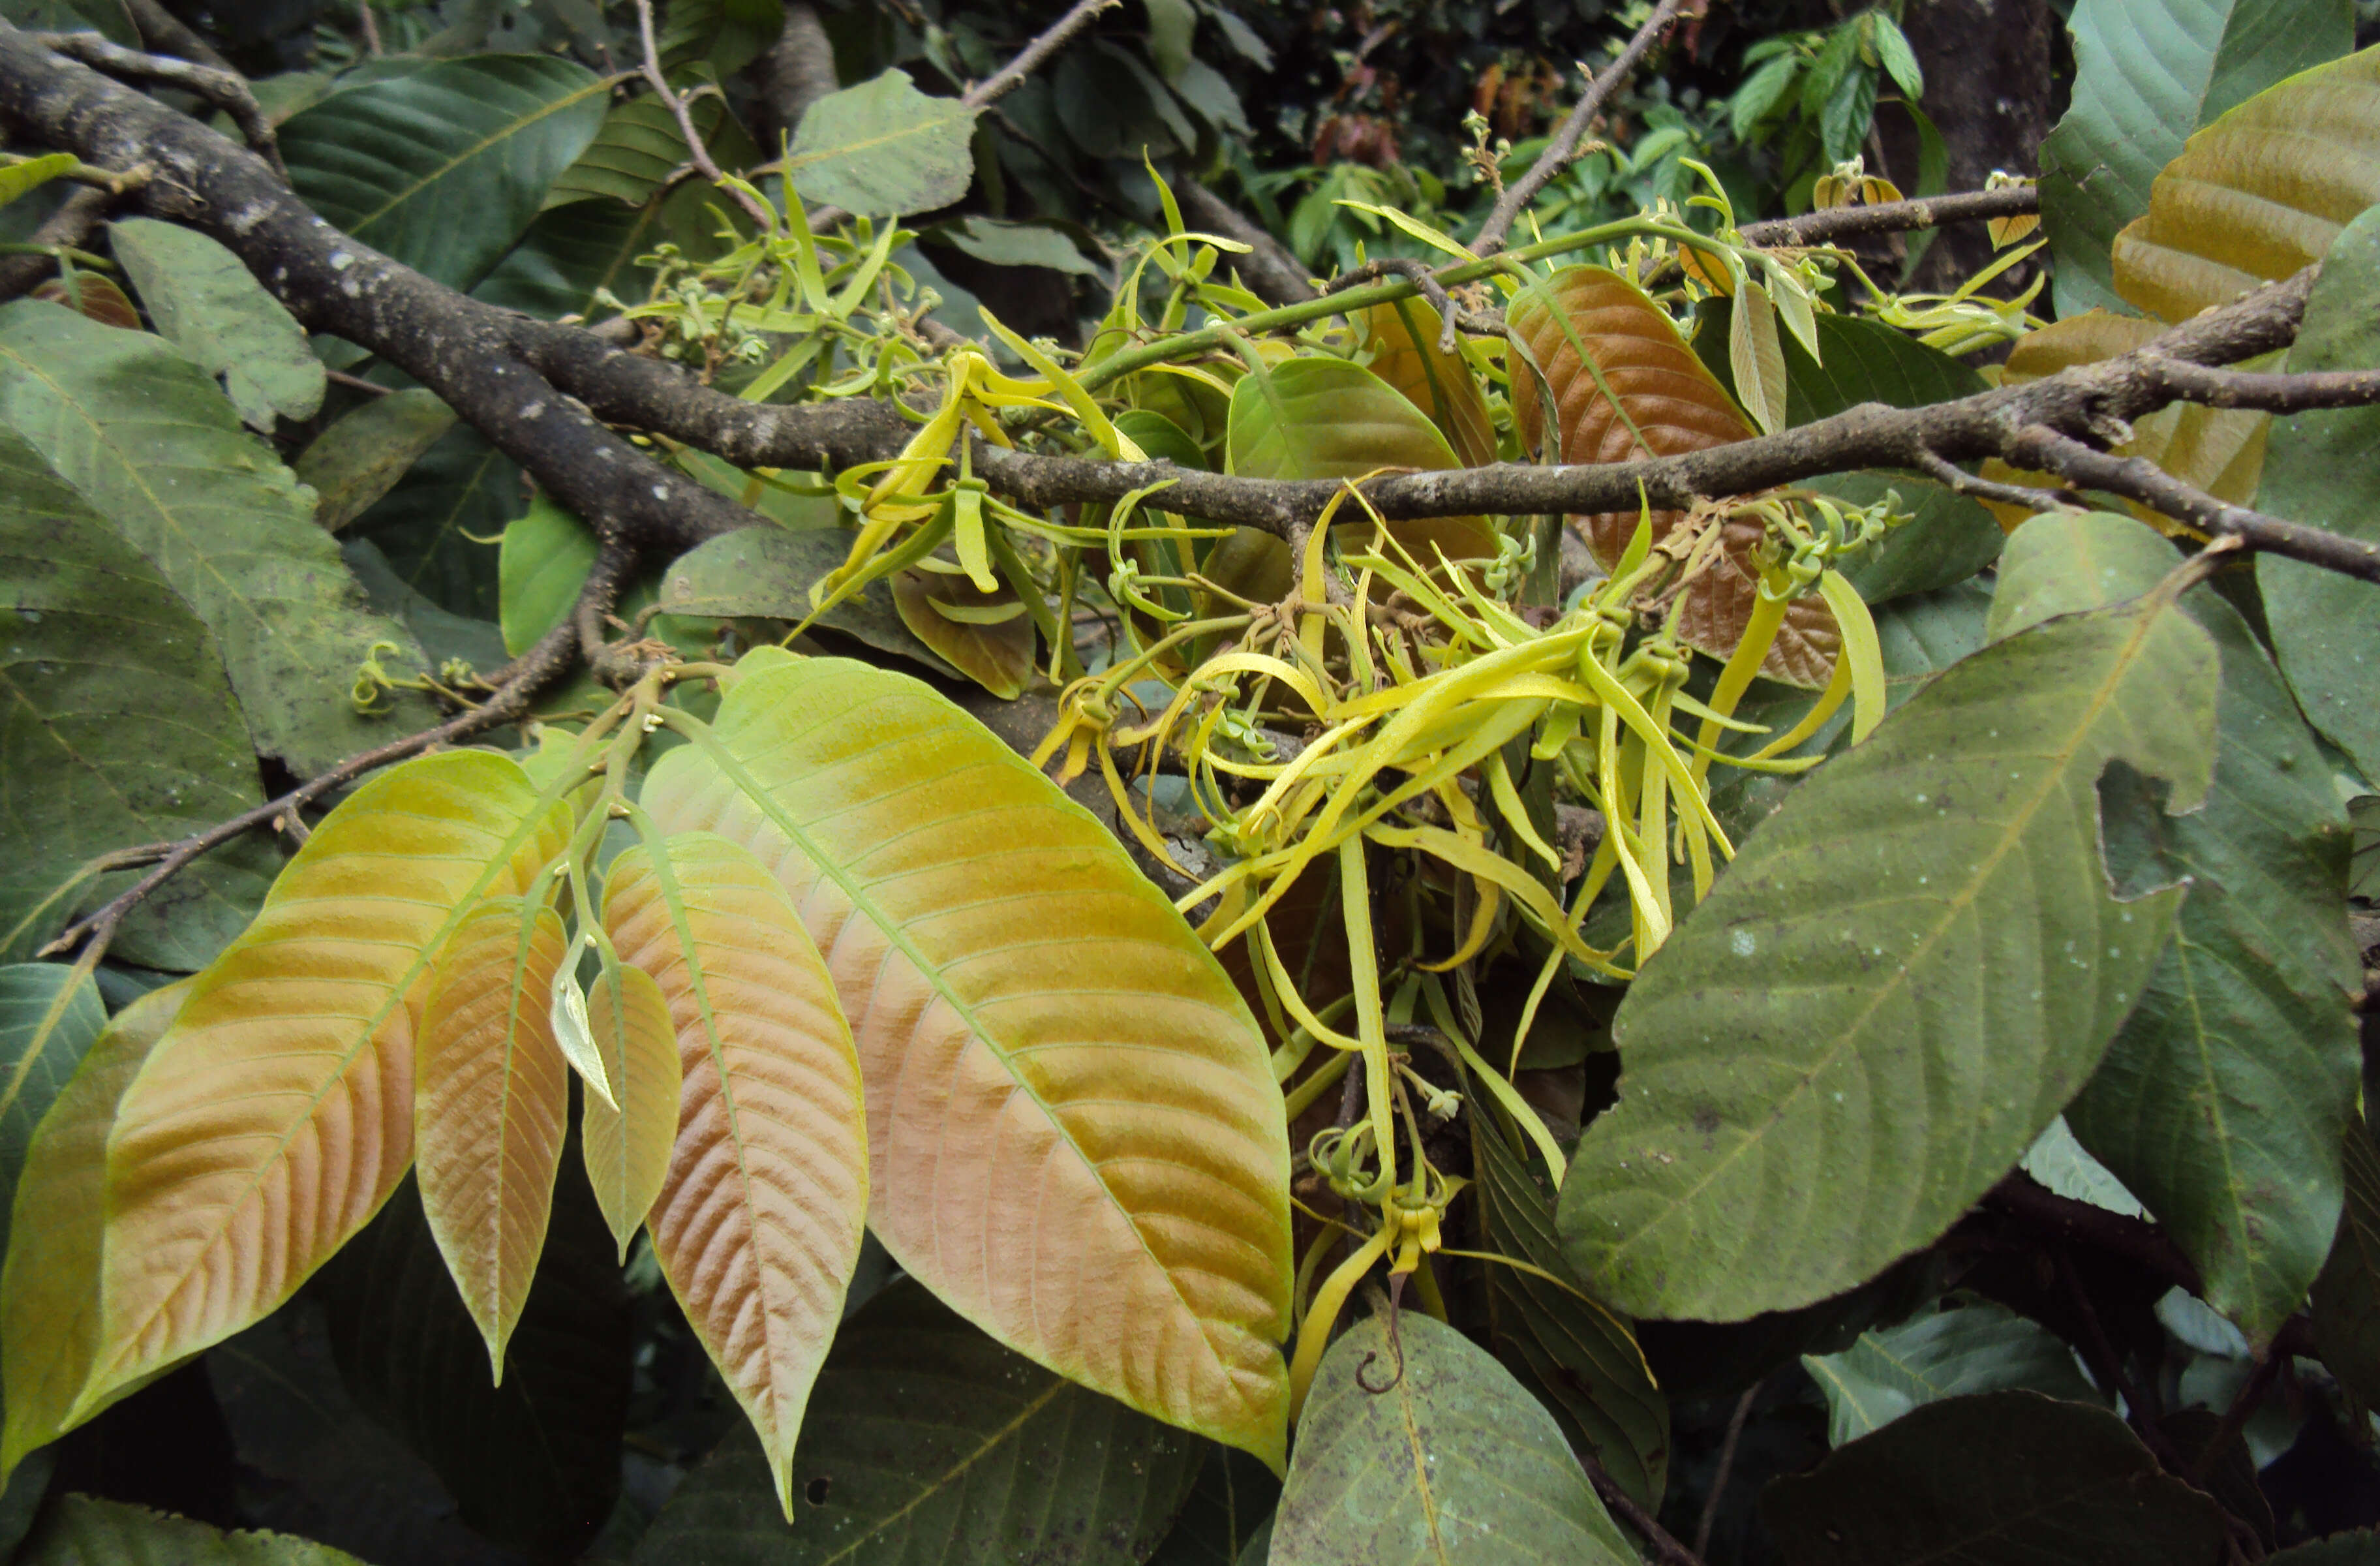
(510, 129)
(1057, 1385)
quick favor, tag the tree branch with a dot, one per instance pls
(696, 150)
(166, 34)
(1010, 77)
(1832, 225)
(1564, 146)
(1664, 1545)
(1269, 269)
(226, 89)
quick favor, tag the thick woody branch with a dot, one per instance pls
(227, 90)
(1269, 269)
(1564, 146)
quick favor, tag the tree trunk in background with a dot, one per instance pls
(794, 72)
(1988, 90)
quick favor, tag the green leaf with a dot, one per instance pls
(22, 178)
(120, 730)
(2221, 1100)
(1019, 244)
(1974, 1346)
(533, 1465)
(1327, 418)
(87, 1531)
(205, 303)
(2014, 1478)
(546, 556)
(443, 168)
(1775, 1142)
(1900, 60)
(1171, 24)
(640, 146)
(883, 149)
(142, 433)
(2347, 1294)
(725, 34)
(359, 458)
(767, 573)
(49, 1015)
(439, 524)
(2317, 471)
(2146, 74)
(1229, 1509)
(1577, 1358)
(929, 1442)
(2233, 210)
(1417, 1447)
(956, 891)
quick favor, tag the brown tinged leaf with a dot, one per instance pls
(92, 296)
(987, 636)
(1402, 334)
(758, 1220)
(277, 1115)
(1625, 386)
(492, 1095)
(627, 1148)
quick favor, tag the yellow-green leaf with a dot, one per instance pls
(492, 1095)
(1052, 1058)
(1757, 356)
(277, 1115)
(49, 1288)
(21, 178)
(758, 1221)
(2259, 194)
(1625, 386)
(627, 1148)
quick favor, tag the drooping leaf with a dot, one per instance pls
(49, 1285)
(49, 1015)
(2324, 629)
(1625, 386)
(2013, 1477)
(767, 572)
(544, 560)
(627, 1148)
(1022, 998)
(206, 303)
(1403, 337)
(1577, 1358)
(439, 524)
(491, 1099)
(143, 436)
(121, 731)
(534, 1463)
(1776, 1143)
(930, 1443)
(351, 464)
(2222, 1100)
(2258, 194)
(1452, 1461)
(277, 1115)
(2221, 450)
(883, 149)
(1229, 1509)
(2347, 1294)
(442, 168)
(2146, 74)
(757, 1222)
(86, 1531)
(640, 146)
(1976, 1346)
(995, 653)
(1019, 244)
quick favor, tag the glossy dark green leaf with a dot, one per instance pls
(2148, 73)
(2317, 470)
(2347, 1294)
(439, 524)
(2012, 1478)
(641, 147)
(205, 302)
(1229, 1511)
(1420, 1448)
(120, 730)
(85, 1530)
(359, 458)
(2220, 1101)
(767, 573)
(145, 437)
(1575, 1356)
(928, 1443)
(883, 148)
(1777, 1142)
(49, 1015)
(1976, 1346)
(443, 168)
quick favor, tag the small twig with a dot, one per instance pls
(1664, 1545)
(1829, 225)
(1451, 316)
(681, 110)
(370, 28)
(1564, 146)
(226, 90)
(354, 382)
(2037, 446)
(166, 34)
(1008, 78)
(1958, 480)
(1735, 1423)
(2271, 392)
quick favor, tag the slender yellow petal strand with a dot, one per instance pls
(1860, 649)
